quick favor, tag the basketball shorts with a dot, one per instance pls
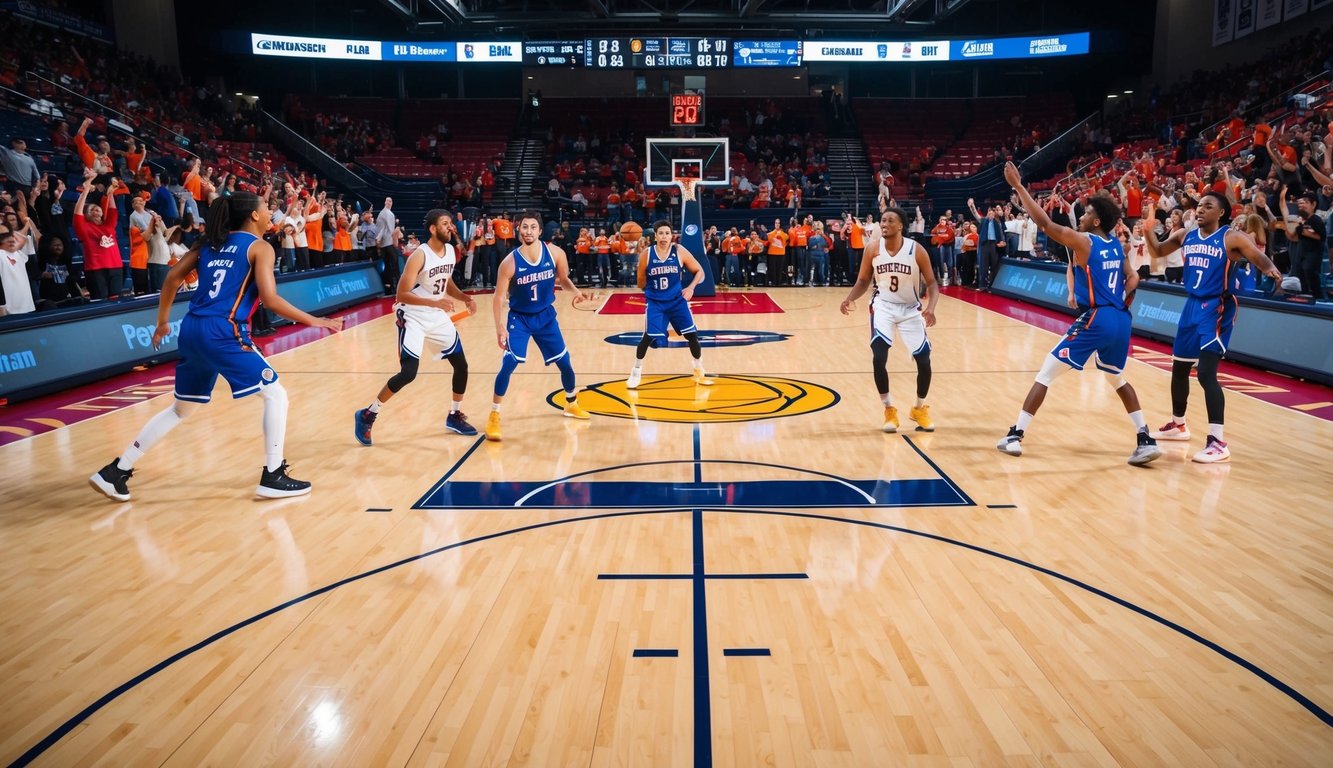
(213, 346)
(885, 316)
(417, 325)
(673, 312)
(540, 327)
(1103, 332)
(1205, 324)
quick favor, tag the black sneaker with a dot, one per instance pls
(1146, 450)
(277, 485)
(112, 482)
(364, 421)
(457, 422)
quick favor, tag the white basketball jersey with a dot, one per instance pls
(897, 280)
(435, 272)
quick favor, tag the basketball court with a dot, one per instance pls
(747, 574)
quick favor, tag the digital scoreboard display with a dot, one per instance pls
(554, 53)
(687, 109)
(657, 52)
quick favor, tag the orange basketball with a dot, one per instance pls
(631, 231)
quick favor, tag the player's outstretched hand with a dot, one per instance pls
(334, 324)
(164, 329)
(580, 297)
(929, 317)
(847, 306)
(1012, 176)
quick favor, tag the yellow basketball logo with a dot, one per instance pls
(678, 399)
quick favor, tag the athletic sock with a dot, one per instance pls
(1024, 419)
(1139, 422)
(375, 406)
(1215, 430)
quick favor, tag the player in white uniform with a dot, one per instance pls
(423, 308)
(897, 267)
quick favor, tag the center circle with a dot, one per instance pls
(677, 399)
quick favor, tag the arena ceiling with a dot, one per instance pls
(804, 15)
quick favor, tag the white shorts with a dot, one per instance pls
(417, 324)
(885, 316)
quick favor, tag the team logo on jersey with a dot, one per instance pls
(677, 399)
(706, 339)
(691, 230)
(268, 374)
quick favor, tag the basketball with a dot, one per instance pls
(631, 231)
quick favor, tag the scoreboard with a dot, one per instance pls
(687, 109)
(657, 53)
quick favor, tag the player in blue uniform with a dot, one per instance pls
(1103, 281)
(525, 282)
(235, 270)
(1211, 253)
(660, 267)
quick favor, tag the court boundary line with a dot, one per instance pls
(52, 738)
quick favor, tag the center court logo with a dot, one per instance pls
(677, 399)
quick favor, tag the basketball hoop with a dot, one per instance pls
(686, 188)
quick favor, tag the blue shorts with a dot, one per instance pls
(540, 327)
(210, 346)
(1205, 324)
(1104, 331)
(674, 312)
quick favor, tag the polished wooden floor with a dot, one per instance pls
(1063, 609)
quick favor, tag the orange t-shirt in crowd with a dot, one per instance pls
(342, 239)
(504, 229)
(800, 235)
(756, 246)
(733, 244)
(777, 243)
(314, 232)
(583, 244)
(613, 198)
(602, 245)
(970, 241)
(1133, 200)
(1262, 133)
(857, 237)
(194, 185)
(618, 244)
(942, 234)
(138, 249)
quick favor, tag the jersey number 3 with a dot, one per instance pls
(218, 277)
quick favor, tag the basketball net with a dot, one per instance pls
(686, 188)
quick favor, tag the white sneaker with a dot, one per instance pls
(1012, 443)
(1216, 451)
(944, 283)
(635, 376)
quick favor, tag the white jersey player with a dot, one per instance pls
(426, 295)
(897, 268)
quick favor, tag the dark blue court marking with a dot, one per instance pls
(837, 492)
(703, 699)
(967, 499)
(379, 509)
(60, 732)
(466, 455)
(720, 338)
(652, 653)
(683, 576)
(1001, 506)
(746, 652)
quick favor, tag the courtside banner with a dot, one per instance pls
(314, 47)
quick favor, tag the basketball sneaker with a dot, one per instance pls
(922, 418)
(112, 481)
(890, 419)
(364, 421)
(574, 411)
(1216, 451)
(1172, 431)
(493, 426)
(279, 485)
(635, 376)
(1146, 451)
(944, 283)
(701, 379)
(457, 422)
(1012, 443)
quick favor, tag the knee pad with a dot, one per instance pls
(1051, 370)
(1116, 380)
(274, 391)
(407, 371)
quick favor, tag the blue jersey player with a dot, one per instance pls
(235, 271)
(1211, 254)
(525, 282)
(1103, 279)
(660, 276)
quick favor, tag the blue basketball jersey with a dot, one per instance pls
(1207, 269)
(226, 280)
(663, 276)
(1102, 282)
(534, 284)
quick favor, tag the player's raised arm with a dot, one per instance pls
(863, 278)
(1158, 249)
(504, 275)
(1078, 243)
